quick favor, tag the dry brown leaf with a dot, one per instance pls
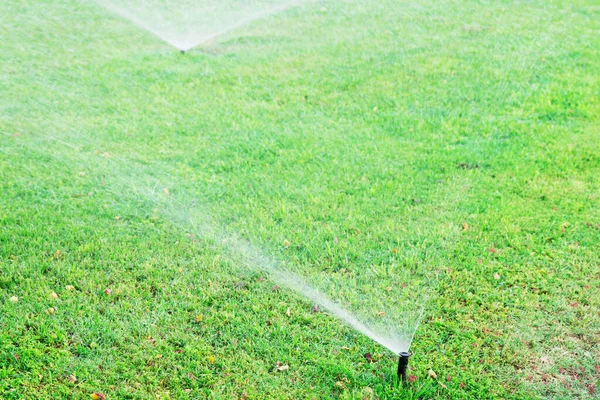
(288, 312)
(432, 374)
(381, 313)
(98, 396)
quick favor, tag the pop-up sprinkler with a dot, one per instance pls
(402, 366)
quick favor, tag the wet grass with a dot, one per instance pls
(459, 140)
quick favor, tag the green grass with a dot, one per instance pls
(455, 140)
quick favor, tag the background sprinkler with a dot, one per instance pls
(402, 366)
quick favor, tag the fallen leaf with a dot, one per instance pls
(16, 356)
(492, 250)
(465, 226)
(561, 370)
(288, 312)
(411, 378)
(380, 313)
(211, 359)
(98, 396)
(69, 287)
(461, 385)
(394, 251)
(448, 378)
(244, 396)
(496, 276)
(432, 374)
(286, 243)
(198, 318)
(591, 389)
(107, 291)
(368, 357)
(574, 304)
(14, 299)
(339, 384)
(597, 368)
(53, 295)
(315, 308)
(51, 310)
(275, 288)
(283, 368)
(166, 191)
(72, 379)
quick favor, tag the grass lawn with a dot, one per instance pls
(384, 151)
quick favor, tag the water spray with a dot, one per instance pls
(402, 366)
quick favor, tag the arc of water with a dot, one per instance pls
(185, 43)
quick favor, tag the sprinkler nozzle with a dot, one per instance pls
(403, 366)
(182, 51)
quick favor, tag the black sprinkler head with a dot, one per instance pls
(403, 366)
(182, 51)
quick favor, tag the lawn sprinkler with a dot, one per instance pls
(402, 366)
(182, 51)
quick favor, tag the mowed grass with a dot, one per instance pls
(459, 140)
